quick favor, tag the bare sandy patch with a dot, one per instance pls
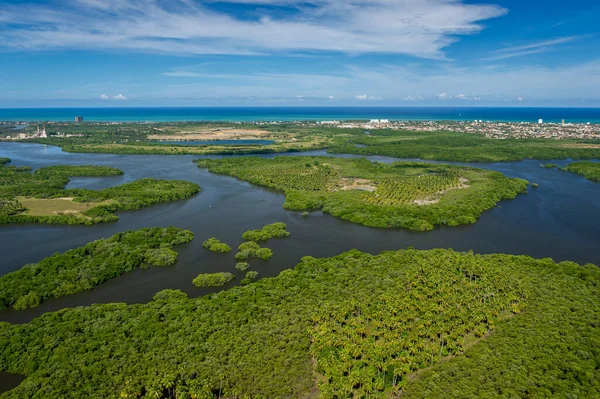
(435, 198)
(357, 184)
(56, 206)
(213, 134)
(581, 145)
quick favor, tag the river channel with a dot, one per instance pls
(559, 220)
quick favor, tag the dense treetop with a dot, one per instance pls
(277, 229)
(463, 147)
(213, 244)
(428, 323)
(84, 268)
(213, 279)
(411, 195)
(78, 170)
(590, 170)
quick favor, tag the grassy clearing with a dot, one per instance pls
(57, 206)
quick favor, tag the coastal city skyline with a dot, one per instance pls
(87, 53)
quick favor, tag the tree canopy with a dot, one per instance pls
(416, 196)
(84, 268)
(589, 170)
(434, 323)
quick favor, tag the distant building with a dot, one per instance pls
(41, 133)
(78, 119)
(540, 121)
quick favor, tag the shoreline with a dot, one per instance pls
(300, 114)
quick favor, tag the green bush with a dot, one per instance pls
(252, 275)
(242, 266)
(251, 249)
(269, 231)
(213, 279)
(212, 244)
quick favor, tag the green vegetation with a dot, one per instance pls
(141, 138)
(304, 214)
(252, 275)
(277, 229)
(212, 244)
(416, 196)
(41, 197)
(84, 268)
(78, 170)
(4, 161)
(462, 147)
(213, 279)
(242, 266)
(590, 170)
(549, 165)
(145, 138)
(251, 249)
(429, 324)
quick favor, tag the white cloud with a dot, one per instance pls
(443, 96)
(411, 97)
(520, 99)
(117, 97)
(460, 97)
(421, 28)
(331, 97)
(528, 49)
(365, 97)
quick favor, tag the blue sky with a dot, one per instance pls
(293, 52)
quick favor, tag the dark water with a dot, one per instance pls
(9, 381)
(557, 220)
(247, 114)
(217, 142)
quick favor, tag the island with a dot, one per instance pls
(411, 195)
(41, 196)
(84, 268)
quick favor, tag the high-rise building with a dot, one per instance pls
(78, 119)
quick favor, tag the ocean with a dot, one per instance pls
(246, 114)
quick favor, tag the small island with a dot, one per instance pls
(213, 279)
(84, 268)
(269, 231)
(214, 245)
(41, 196)
(411, 195)
(251, 249)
